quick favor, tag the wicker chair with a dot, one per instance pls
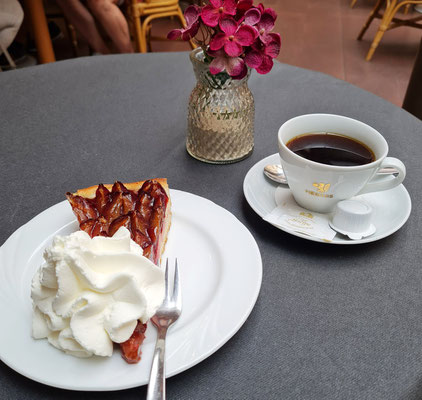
(142, 13)
(388, 20)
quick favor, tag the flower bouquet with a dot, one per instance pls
(234, 37)
(233, 34)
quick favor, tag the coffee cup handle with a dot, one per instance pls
(378, 183)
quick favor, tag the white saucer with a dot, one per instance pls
(391, 207)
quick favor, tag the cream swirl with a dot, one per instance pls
(90, 293)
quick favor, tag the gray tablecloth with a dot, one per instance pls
(331, 322)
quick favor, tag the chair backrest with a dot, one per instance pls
(157, 3)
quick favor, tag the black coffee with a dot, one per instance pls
(331, 149)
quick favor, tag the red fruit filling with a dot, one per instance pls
(141, 212)
(131, 349)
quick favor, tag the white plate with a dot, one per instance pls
(221, 271)
(391, 208)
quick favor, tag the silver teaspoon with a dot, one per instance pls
(275, 172)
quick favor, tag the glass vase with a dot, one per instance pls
(221, 115)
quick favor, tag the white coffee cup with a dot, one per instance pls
(319, 187)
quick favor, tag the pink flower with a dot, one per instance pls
(214, 12)
(266, 24)
(235, 34)
(244, 5)
(261, 55)
(233, 37)
(234, 66)
(192, 25)
(252, 16)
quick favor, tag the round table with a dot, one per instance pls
(331, 322)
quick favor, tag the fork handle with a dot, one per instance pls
(157, 380)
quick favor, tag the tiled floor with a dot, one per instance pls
(321, 35)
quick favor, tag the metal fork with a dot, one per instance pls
(165, 316)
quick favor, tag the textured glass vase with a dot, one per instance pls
(221, 115)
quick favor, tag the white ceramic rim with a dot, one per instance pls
(332, 167)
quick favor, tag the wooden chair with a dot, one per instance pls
(388, 20)
(142, 13)
(406, 10)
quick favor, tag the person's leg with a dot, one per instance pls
(80, 17)
(113, 22)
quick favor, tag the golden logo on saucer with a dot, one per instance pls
(321, 187)
(306, 214)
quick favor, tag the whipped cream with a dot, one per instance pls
(90, 293)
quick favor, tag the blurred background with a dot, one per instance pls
(320, 35)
